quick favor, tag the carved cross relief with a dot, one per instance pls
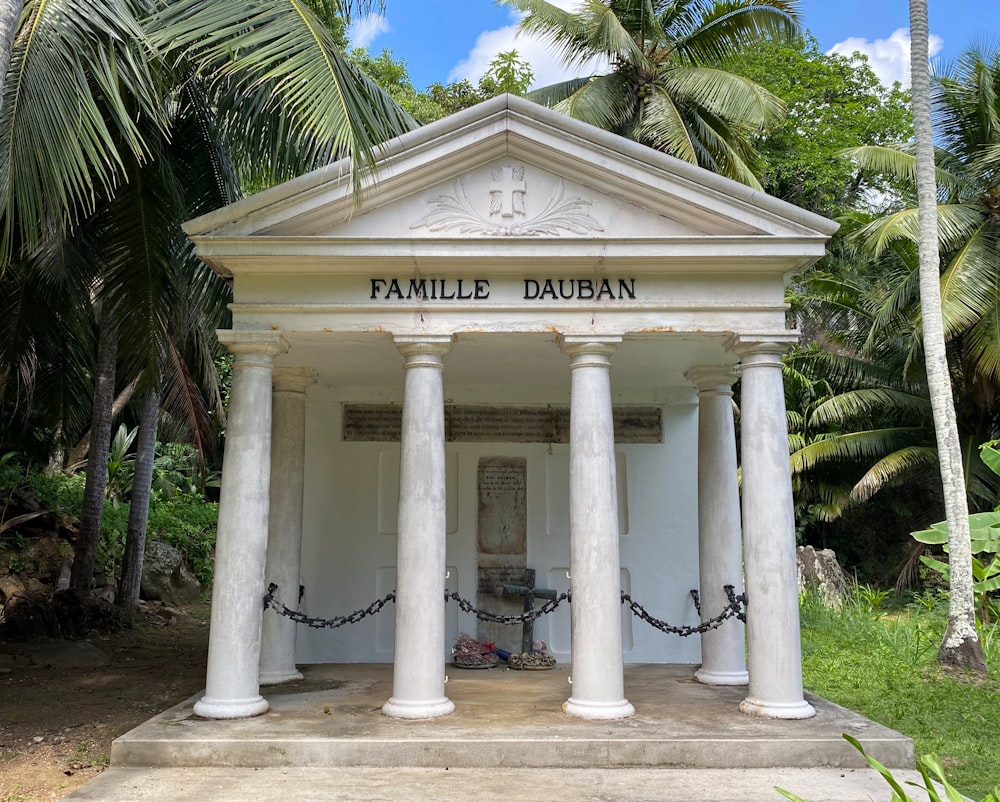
(507, 190)
(507, 216)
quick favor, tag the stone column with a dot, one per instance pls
(720, 545)
(773, 638)
(418, 665)
(232, 688)
(595, 563)
(284, 540)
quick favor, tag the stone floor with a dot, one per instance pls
(326, 739)
(507, 719)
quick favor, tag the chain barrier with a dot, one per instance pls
(327, 623)
(735, 609)
(530, 616)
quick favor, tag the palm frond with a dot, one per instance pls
(864, 445)
(725, 28)
(956, 223)
(871, 404)
(899, 163)
(892, 467)
(555, 93)
(79, 77)
(279, 51)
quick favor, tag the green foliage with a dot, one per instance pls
(931, 771)
(984, 530)
(883, 665)
(188, 522)
(831, 103)
(506, 73)
(184, 520)
(393, 77)
(666, 84)
(178, 470)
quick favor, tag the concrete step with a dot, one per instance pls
(462, 785)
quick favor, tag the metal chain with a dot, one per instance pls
(531, 615)
(328, 623)
(735, 609)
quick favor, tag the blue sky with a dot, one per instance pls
(442, 41)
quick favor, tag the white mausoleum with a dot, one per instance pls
(518, 352)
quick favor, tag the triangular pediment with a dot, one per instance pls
(509, 172)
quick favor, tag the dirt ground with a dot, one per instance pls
(62, 703)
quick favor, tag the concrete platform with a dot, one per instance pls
(506, 720)
(463, 785)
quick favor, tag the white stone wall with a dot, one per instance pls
(349, 543)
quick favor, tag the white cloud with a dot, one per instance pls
(547, 67)
(888, 58)
(365, 30)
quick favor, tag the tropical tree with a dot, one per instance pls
(665, 84)
(831, 103)
(262, 82)
(960, 646)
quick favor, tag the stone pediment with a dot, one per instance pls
(510, 180)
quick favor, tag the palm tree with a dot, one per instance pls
(665, 87)
(263, 80)
(960, 646)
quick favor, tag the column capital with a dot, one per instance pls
(769, 344)
(709, 378)
(415, 346)
(292, 379)
(247, 344)
(577, 345)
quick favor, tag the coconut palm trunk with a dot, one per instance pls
(960, 646)
(138, 514)
(89, 539)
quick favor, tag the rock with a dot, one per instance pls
(10, 586)
(820, 571)
(165, 575)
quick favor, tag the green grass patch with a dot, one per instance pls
(883, 665)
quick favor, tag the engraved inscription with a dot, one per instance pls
(471, 423)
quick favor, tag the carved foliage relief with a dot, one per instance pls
(504, 212)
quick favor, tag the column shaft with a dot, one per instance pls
(720, 545)
(418, 664)
(284, 541)
(774, 644)
(232, 688)
(595, 562)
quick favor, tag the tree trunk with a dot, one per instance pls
(79, 453)
(960, 646)
(135, 539)
(97, 466)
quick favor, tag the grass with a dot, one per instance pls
(882, 665)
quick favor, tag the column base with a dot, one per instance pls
(786, 710)
(402, 708)
(279, 677)
(598, 710)
(722, 677)
(230, 708)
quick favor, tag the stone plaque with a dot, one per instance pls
(502, 538)
(473, 423)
